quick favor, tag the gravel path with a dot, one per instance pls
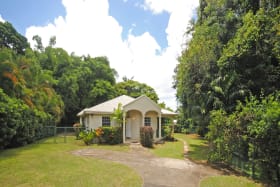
(155, 171)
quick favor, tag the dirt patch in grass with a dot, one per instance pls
(197, 147)
(154, 170)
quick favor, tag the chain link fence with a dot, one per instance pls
(59, 134)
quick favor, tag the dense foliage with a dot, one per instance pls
(234, 54)
(252, 132)
(168, 132)
(135, 89)
(20, 124)
(102, 135)
(47, 86)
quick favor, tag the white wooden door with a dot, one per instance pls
(128, 128)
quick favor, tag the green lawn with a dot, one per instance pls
(198, 151)
(198, 148)
(169, 149)
(50, 164)
(228, 181)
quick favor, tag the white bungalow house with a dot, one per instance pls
(136, 113)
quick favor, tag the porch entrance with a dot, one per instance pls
(133, 123)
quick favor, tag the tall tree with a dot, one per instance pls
(221, 66)
(135, 89)
(10, 38)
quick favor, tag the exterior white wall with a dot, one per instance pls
(93, 121)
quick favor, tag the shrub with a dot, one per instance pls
(252, 133)
(87, 136)
(20, 124)
(104, 135)
(169, 133)
(146, 136)
(99, 132)
(111, 135)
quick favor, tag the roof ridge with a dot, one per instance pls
(108, 101)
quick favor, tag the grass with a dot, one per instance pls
(197, 147)
(228, 181)
(198, 152)
(50, 164)
(169, 149)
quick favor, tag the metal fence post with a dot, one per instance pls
(65, 129)
(54, 134)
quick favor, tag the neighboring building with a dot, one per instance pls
(136, 113)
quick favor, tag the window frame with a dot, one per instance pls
(106, 121)
(147, 121)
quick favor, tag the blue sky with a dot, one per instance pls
(25, 13)
(141, 38)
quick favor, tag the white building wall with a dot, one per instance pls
(94, 121)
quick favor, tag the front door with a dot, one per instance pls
(135, 127)
(133, 124)
(128, 128)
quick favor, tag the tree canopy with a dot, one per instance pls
(48, 86)
(135, 89)
(233, 56)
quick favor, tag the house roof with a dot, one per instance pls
(147, 103)
(109, 106)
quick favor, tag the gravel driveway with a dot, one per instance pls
(155, 171)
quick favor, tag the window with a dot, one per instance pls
(106, 121)
(165, 121)
(147, 121)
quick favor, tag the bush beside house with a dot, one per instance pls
(146, 136)
(168, 134)
(102, 135)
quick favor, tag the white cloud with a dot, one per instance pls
(1, 19)
(181, 12)
(88, 28)
(158, 6)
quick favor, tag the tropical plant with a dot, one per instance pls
(117, 115)
(87, 136)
